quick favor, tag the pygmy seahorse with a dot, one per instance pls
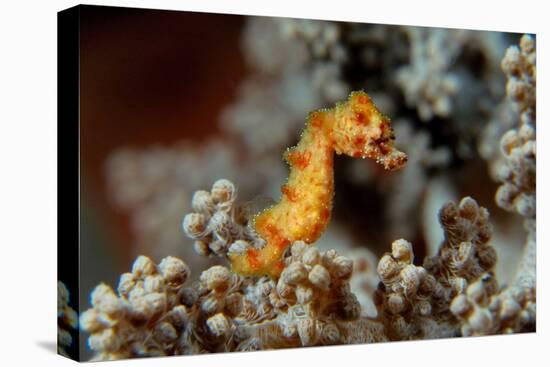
(355, 128)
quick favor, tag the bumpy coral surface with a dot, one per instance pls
(415, 299)
(355, 128)
(153, 313)
(280, 291)
(483, 310)
(67, 319)
(145, 318)
(518, 146)
(518, 192)
(312, 303)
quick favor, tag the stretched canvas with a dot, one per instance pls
(234, 183)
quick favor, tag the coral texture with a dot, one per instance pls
(153, 313)
(67, 319)
(145, 317)
(483, 310)
(312, 303)
(519, 145)
(415, 299)
(280, 291)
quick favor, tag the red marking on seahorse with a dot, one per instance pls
(289, 192)
(298, 159)
(363, 99)
(279, 266)
(273, 235)
(360, 118)
(253, 260)
(316, 120)
(359, 141)
(325, 215)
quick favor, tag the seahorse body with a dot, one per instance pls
(355, 128)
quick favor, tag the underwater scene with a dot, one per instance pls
(256, 183)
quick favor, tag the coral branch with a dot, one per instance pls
(312, 302)
(67, 319)
(414, 301)
(518, 146)
(153, 313)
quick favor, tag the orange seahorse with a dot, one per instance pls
(355, 128)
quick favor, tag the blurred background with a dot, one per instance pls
(149, 79)
(172, 101)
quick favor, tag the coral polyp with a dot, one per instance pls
(355, 128)
(388, 246)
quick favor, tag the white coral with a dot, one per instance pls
(67, 319)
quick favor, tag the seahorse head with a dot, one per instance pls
(361, 131)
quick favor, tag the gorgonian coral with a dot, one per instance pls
(155, 312)
(67, 319)
(282, 292)
(483, 310)
(519, 145)
(146, 315)
(415, 299)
